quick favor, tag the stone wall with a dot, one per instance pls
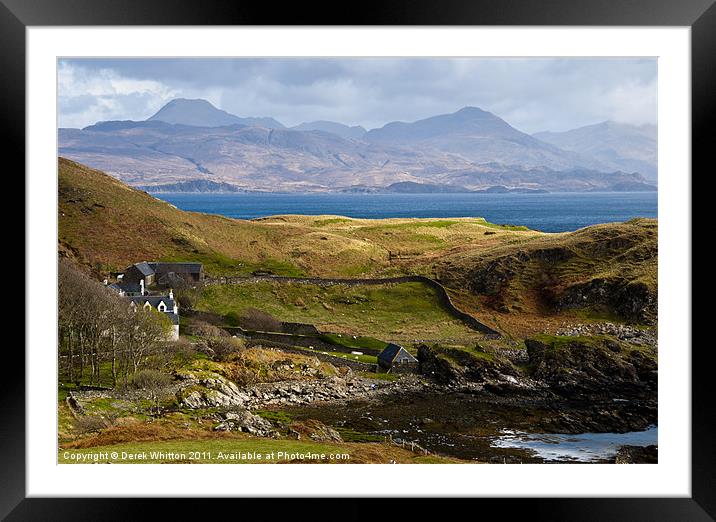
(441, 291)
(307, 341)
(334, 360)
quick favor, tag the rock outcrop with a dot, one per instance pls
(456, 366)
(623, 332)
(208, 390)
(246, 422)
(637, 455)
(588, 367)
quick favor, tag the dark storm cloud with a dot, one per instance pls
(531, 94)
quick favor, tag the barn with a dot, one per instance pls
(395, 358)
(138, 278)
(170, 273)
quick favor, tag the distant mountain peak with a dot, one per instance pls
(189, 101)
(202, 113)
(468, 121)
(470, 110)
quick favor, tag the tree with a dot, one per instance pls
(97, 326)
(147, 330)
(155, 384)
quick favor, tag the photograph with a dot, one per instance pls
(357, 259)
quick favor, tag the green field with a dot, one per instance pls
(394, 312)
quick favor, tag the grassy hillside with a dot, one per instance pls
(105, 224)
(400, 312)
(514, 279)
(604, 271)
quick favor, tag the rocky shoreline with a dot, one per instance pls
(458, 401)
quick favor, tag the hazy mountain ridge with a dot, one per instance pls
(617, 145)
(469, 150)
(355, 132)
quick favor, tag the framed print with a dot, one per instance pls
(451, 247)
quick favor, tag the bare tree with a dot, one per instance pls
(97, 326)
(155, 384)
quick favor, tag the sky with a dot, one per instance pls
(532, 94)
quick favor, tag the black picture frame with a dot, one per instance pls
(699, 15)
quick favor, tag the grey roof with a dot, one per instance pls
(182, 267)
(391, 351)
(153, 300)
(127, 287)
(144, 268)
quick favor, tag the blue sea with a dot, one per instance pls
(553, 212)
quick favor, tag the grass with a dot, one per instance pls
(370, 359)
(357, 343)
(275, 416)
(513, 228)
(105, 377)
(394, 312)
(330, 221)
(558, 342)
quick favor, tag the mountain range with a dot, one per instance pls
(616, 145)
(191, 143)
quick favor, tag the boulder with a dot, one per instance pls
(208, 390)
(246, 422)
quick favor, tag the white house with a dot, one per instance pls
(161, 303)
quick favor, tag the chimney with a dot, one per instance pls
(171, 294)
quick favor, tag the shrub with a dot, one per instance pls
(91, 424)
(182, 351)
(222, 347)
(255, 319)
(186, 303)
(204, 329)
(153, 382)
(232, 319)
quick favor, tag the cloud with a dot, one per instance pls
(87, 96)
(531, 94)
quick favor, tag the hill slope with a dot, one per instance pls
(105, 224)
(510, 272)
(602, 270)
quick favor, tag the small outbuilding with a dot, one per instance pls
(395, 358)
